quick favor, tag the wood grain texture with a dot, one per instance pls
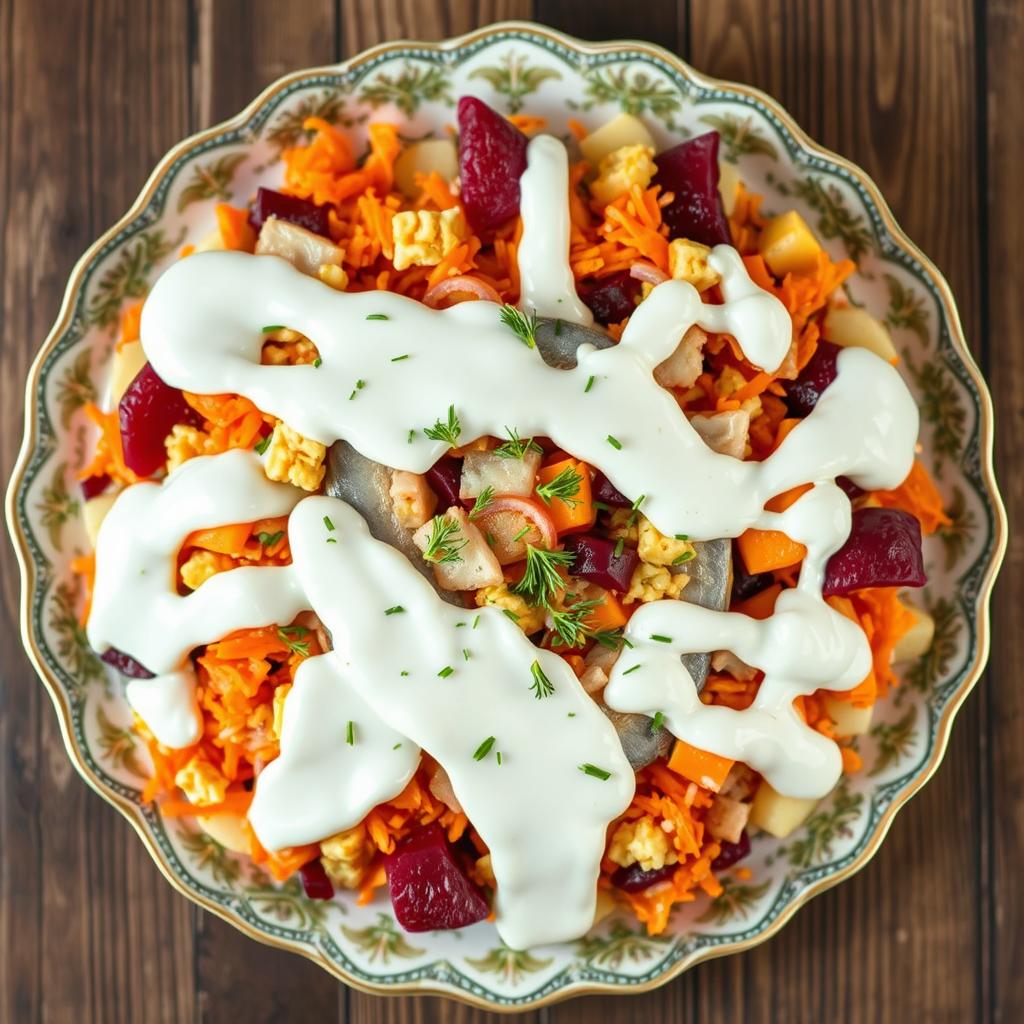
(924, 94)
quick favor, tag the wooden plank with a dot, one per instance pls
(239, 48)
(892, 87)
(1004, 363)
(89, 929)
(661, 23)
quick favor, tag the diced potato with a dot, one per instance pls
(727, 818)
(856, 328)
(94, 511)
(605, 905)
(213, 242)
(128, 360)
(688, 261)
(624, 130)
(850, 720)
(684, 366)
(423, 157)
(227, 829)
(788, 245)
(917, 640)
(506, 476)
(620, 170)
(473, 565)
(303, 249)
(728, 185)
(777, 814)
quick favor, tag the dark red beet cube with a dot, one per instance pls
(315, 883)
(269, 203)
(602, 489)
(849, 488)
(594, 559)
(883, 550)
(803, 393)
(125, 664)
(690, 172)
(612, 298)
(444, 477)
(93, 485)
(492, 156)
(429, 890)
(635, 879)
(731, 853)
(148, 410)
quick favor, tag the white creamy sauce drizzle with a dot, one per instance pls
(543, 819)
(546, 284)
(321, 784)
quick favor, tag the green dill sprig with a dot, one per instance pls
(482, 503)
(568, 623)
(286, 633)
(448, 432)
(268, 540)
(443, 545)
(541, 578)
(522, 326)
(565, 487)
(515, 447)
(541, 686)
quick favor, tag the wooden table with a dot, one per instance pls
(922, 94)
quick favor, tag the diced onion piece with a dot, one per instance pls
(511, 522)
(462, 284)
(303, 249)
(724, 432)
(788, 245)
(643, 271)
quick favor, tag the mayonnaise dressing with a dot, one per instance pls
(167, 704)
(543, 819)
(546, 284)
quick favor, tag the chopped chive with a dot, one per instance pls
(498, 756)
(404, 672)
(484, 749)
(328, 523)
(639, 501)
(317, 363)
(395, 610)
(522, 533)
(360, 384)
(476, 622)
(572, 714)
(446, 672)
(332, 540)
(601, 506)
(412, 434)
(269, 539)
(511, 614)
(398, 359)
(397, 745)
(686, 556)
(264, 444)
(633, 669)
(272, 327)
(682, 536)
(465, 653)
(661, 639)
(491, 539)
(350, 734)
(620, 545)
(614, 442)
(658, 722)
(377, 316)
(590, 384)
(595, 772)
(459, 625)
(558, 327)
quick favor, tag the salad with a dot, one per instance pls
(507, 524)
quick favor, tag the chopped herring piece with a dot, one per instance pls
(424, 237)
(412, 499)
(655, 548)
(594, 679)
(654, 582)
(473, 565)
(294, 459)
(727, 818)
(346, 855)
(684, 366)
(303, 249)
(688, 261)
(620, 170)
(528, 617)
(724, 432)
(440, 785)
(641, 842)
(727, 662)
(481, 470)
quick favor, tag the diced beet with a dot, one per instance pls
(803, 393)
(444, 477)
(883, 550)
(602, 489)
(731, 853)
(595, 560)
(429, 890)
(635, 879)
(93, 485)
(849, 488)
(690, 172)
(315, 883)
(492, 156)
(745, 584)
(148, 410)
(269, 203)
(125, 664)
(611, 298)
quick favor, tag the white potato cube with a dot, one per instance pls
(850, 720)
(917, 640)
(777, 814)
(227, 829)
(128, 360)
(624, 130)
(423, 157)
(852, 327)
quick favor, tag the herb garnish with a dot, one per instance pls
(595, 772)
(565, 487)
(446, 672)
(268, 540)
(686, 556)
(360, 384)
(350, 734)
(483, 500)
(398, 359)
(590, 384)
(661, 638)
(300, 647)
(484, 749)
(541, 578)
(317, 363)
(515, 447)
(614, 442)
(541, 685)
(447, 432)
(263, 444)
(522, 326)
(568, 623)
(377, 316)
(395, 610)
(443, 545)
(328, 523)
(658, 721)
(272, 327)
(635, 668)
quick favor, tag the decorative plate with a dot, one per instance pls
(514, 67)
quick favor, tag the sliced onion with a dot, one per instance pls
(506, 516)
(647, 272)
(461, 283)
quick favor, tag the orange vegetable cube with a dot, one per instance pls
(761, 605)
(226, 540)
(576, 513)
(609, 614)
(700, 766)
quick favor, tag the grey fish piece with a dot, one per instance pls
(365, 485)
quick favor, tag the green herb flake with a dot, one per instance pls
(300, 647)
(397, 745)
(465, 653)
(614, 442)
(522, 326)
(661, 638)
(328, 523)
(541, 579)
(448, 432)
(261, 446)
(446, 672)
(398, 359)
(522, 533)
(377, 316)
(268, 540)
(510, 614)
(686, 556)
(482, 503)
(485, 748)
(541, 685)
(565, 486)
(476, 622)
(594, 772)
(394, 610)
(350, 734)
(620, 546)
(590, 384)
(635, 668)
(658, 721)
(317, 363)
(515, 447)
(443, 544)
(270, 328)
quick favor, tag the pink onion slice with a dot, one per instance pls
(460, 283)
